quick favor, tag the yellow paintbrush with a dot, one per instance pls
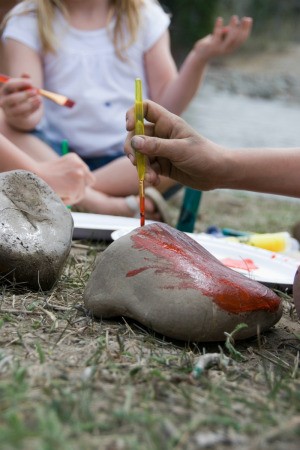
(140, 159)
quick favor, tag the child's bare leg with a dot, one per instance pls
(114, 182)
(27, 142)
(119, 178)
(99, 203)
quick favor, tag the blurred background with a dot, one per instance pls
(5, 5)
(276, 22)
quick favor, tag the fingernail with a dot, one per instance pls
(31, 93)
(137, 142)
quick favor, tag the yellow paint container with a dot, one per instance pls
(275, 242)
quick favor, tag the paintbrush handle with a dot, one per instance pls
(139, 127)
(57, 98)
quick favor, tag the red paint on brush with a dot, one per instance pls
(69, 103)
(142, 209)
(177, 255)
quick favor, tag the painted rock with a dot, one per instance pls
(35, 231)
(164, 279)
(296, 292)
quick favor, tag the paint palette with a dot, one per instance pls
(275, 270)
(99, 227)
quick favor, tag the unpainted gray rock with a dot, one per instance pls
(162, 278)
(35, 231)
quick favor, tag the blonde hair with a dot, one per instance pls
(125, 12)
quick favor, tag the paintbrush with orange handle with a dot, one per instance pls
(61, 100)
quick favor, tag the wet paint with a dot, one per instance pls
(242, 264)
(178, 256)
(132, 273)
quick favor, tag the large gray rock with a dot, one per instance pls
(35, 231)
(167, 281)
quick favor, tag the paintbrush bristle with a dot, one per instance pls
(69, 103)
(61, 100)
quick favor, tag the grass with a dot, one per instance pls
(246, 211)
(70, 382)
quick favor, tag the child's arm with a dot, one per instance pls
(176, 150)
(21, 104)
(175, 90)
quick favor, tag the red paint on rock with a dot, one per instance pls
(176, 254)
(132, 273)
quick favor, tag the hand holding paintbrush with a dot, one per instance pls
(61, 100)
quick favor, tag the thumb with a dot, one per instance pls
(153, 146)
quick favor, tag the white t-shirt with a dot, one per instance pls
(86, 69)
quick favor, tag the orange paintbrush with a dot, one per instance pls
(61, 100)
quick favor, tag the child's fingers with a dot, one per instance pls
(237, 33)
(218, 28)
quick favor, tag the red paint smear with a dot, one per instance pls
(132, 273)
(244, 264)
(179, 257)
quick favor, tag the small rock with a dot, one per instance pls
(162, 278)
(35, 231)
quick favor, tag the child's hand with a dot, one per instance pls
(68, 176)
(19, 99)
(224, 39)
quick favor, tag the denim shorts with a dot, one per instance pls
(93, 163)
